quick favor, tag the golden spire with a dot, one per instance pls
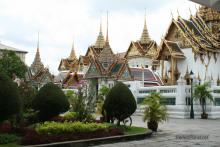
(37, 64)
(145, 38)
(72, 53)
(100, 42)
(107, 40)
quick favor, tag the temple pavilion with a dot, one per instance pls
(191, 45)
(37, 74)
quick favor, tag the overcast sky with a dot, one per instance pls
(62, 21)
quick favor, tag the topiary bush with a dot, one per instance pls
(119, 103)
(9, 97)
(50, 101)
(27, 94)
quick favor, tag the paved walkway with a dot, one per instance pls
(178, 133)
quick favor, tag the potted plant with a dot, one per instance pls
(203, 93)
(154, 112)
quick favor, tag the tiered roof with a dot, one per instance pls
(195, 32)
(143, 47)
(69, 63)
(37, 65)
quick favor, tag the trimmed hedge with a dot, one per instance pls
(8, 138)
(119, 103)
(50, 101)
(56, 128)
(9, 97)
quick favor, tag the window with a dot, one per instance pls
(217, 101)
(168, 101)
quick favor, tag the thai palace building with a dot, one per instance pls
(37, 74)
(189, 46)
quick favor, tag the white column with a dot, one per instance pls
(181, 93)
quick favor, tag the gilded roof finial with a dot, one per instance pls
(72, 53)
(107, 40)
(100, 42)
(172, 14)
(190, 11)
(145, 38)
(37, 64)
(178, 12)
(196, 8)
(38, 41)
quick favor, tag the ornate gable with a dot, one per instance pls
(93, 71)
(126, 74)
(132, 51)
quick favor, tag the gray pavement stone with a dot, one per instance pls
(168, 131)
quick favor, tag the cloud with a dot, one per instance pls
(62, 21)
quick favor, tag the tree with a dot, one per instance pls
(11, 64)
(9, 97)
(203, 93)
(79, 105)
(103, 91)
(154, 112)
(119, 103)
(27, 94)
(50, 101)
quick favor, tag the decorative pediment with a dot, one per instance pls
(92, 71)
(126, 74)
(133, 51)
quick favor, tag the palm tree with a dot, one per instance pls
(155, 112)
(203, 93)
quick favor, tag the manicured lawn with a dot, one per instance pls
(130, 130)
(134, 130)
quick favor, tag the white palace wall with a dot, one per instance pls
(197, 66)
(177, 98)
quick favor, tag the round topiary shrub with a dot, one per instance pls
(50, 101)
(9, 97)
(120, 102)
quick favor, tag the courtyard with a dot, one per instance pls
(178, 133)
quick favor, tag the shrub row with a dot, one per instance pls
(8, 138)
(55, 128)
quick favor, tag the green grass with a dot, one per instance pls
(134, 130)
(129, 130)
(9, 145)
